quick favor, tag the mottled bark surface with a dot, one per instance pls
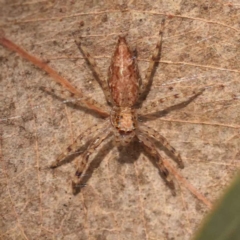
(125, 198)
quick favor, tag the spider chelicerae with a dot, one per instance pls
(123, 91)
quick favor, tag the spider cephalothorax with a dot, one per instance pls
(124, 123)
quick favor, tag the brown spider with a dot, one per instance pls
(123, 91)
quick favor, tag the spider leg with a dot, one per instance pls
(55, 76)
(154, 134)
(80, 140)
(156, 105)
(151, 148)
(154, 61)
(84, 161)
(82, 101)
(96, 72)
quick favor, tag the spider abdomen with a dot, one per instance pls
(123, 76)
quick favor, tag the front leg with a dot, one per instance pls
(156, 135)
(96, 72)
(83, 163)
(151, 148)
(82, 139)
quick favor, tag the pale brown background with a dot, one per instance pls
(125, 198)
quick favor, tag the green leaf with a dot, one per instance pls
(224, 222)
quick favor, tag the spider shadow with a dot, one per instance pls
(148, 86)
(128, 154)
(102, 153)
(124, 158)
(161, 174)
(162, 113)
(73, 105)
(131, 153)
(72, 156)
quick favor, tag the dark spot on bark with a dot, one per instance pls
(81, 23)
(173, 150)
(154, 58)
(78, 174)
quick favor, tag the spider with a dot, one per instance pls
(122, 91)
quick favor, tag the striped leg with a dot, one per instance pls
(55, 76)
(157, 105)
(82, 101)
(151, 148)
(84, 162)
(154, 134)
(81, 140)
(145, 87)
(96, 72)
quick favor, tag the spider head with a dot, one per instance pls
(124, 123)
